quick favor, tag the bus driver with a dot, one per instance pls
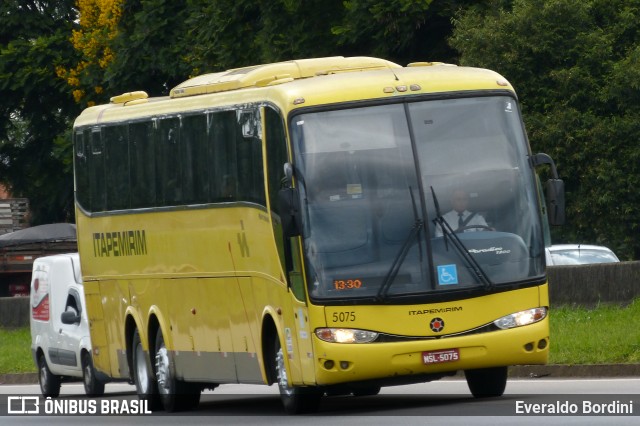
(459, 218)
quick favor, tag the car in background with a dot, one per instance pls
(578, 254)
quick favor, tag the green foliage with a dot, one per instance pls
(15, 351)
(149, 49)
(35, 106)
(230, 34)
(602, 335)
(575, 67)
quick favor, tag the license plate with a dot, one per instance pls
(437, 357)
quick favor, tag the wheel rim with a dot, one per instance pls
(281, 372)
(162, 370)
(87, 374)
(43, 374)
(141, 369)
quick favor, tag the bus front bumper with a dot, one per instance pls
(341, 363)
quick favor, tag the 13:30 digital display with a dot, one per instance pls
(347, 284)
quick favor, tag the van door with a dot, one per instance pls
(69, 335)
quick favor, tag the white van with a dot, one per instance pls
(60, 340)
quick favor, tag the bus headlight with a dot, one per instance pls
(345, 335)
(521, 318)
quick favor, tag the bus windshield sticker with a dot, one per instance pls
(447, 274)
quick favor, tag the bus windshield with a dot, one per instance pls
(417, 199)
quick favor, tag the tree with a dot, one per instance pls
(35, 105)
(92, 39)
(576, 68)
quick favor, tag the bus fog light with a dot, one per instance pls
(521, 318)
(345, 335)
(328, 364)
(344, 364)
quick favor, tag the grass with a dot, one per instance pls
(607, 334)
(15, 351)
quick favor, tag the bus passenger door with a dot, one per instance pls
(297, 333)
(301, 315)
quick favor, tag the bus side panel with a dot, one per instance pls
(244, 329)
(200, 328)
(115, 300)
(99, 341)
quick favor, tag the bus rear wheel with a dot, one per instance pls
(487, 382)
(146, 386)
(175, 394)
(295, 399)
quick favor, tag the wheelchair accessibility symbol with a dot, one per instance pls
(447, 275)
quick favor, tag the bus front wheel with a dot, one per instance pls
(487, 382)
(175, 394)
(295, 399)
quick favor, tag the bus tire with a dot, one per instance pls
(49, 383)
(146, 385)
(295, 399)
(92, 386)
(176, 395)
(487, 382)
(366, 391)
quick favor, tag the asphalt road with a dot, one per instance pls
(445, 402)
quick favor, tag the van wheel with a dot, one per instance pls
(49, 384)
(175, 394)
(487, 382)
(92, 386)
(295, 399)
(146, 386)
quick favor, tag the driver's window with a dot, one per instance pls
(73, 304)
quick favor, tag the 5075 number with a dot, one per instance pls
(347, 316)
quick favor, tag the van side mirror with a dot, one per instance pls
(70, 317)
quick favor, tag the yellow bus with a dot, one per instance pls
(288, 223)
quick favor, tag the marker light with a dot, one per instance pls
(345, 335)
(521, 318)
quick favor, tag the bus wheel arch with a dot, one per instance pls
(295, 399)
(269, 334)
(130, 327)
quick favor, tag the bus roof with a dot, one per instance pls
(299, 83)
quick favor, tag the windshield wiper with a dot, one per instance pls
(449, 233)
(402, 254)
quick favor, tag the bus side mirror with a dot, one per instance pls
(554, 191)
(289, 208)
(555, 201)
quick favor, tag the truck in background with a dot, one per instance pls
(19, 250)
